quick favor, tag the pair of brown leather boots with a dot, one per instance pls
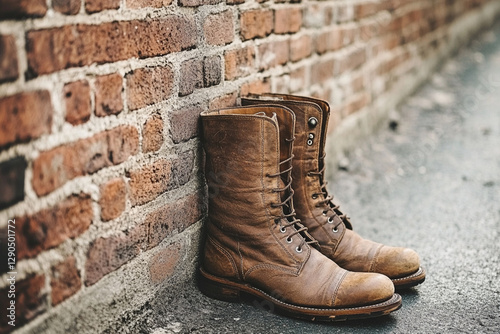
(273, 233)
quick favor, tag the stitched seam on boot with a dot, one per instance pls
(334, 297)
(226, 253)
(372, 264)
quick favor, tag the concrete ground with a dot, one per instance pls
(429, 181)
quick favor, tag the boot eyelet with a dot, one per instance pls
(312, 121)
(311, 136)
(324, 213)
(309, 142)
(298, 249)
(335, 230)
(289, 240)
(330, 220)
(314, 196)
(282, 229)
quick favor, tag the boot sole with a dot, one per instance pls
(410, 280)
(222, 289)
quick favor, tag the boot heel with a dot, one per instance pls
(217, 290)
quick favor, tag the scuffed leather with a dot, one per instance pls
(244, 242)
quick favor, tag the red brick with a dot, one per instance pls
(287, 20)
(322, 71)
(12, 175)
(147, 86)
(75, 45)
(352, 60)
(256, 23)
(219, 28)
(273, 53)
(317, 16)
(191, 76)
(77, 99)
(152, 134)
(113, 197)
(357, 103)
(15, 9)
(258, 86)
(31, 301)
(164, 263)
(300, 47)
(149, 182)
(239, 62)
(212, 71)
(174, 216)
(227, 100)
(235, 2)
(54, 168)
(195, 3)
(105, 255)
(184, 123)
(68, 7)
(50, 227)
(31, 112)
(329, 40)
(345, 13)
(182, 168)
(365, 9)
(133, 4)
(9, 70)
(93, 6)
(108, 95)
(65, 280)
(298, 79)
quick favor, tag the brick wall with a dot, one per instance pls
(99, 105)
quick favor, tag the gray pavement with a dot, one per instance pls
(431, 182)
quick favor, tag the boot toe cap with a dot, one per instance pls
(396, 262)
(362, 289)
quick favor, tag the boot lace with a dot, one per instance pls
(327, 201)
(287, 217)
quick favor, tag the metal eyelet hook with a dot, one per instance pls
(312, 121)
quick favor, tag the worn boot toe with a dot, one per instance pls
(396, 262)
(357, 288)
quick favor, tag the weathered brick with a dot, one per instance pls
(68, 7)
(298, 79)
(219, 28)
(329, 40)
(235, 2)
(357, 103)
(345, 13)
(184, 123)
(287, 20)
(149, 182)
(31, 112)
(12, 175)
(191, 76)
(54, 168)
(256, 23)
(108, 95)
(182, 168)
(152, 134)
(148, 3)
(258, 86)
(239, 62)
(195, 3)
(227, 100)
(175, 216)
(75, 45)
(77, 99)
(9, 70)
(365, 9)
(317, 16)
(300, 47)
(50, 227)
(15, 9)
(93, 6)
(273, 53)
(353, 59)
(65, 280)
(108, 254)
(31, 301)
(164, 263)
(113, 197)
(147, 86)
(212, 71)
(322, 71)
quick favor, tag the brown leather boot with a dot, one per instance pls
(255, 247)
(320, 215)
